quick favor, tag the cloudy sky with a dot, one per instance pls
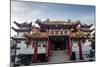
(22, 11)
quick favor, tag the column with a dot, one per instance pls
(70, 48)
(35, 53)
(47, 51)
(49, 47)
(80, 49)
(67, 45)
(15, 50)
(33, 46)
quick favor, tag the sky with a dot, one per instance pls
(22, 11)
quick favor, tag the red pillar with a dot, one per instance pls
(80, 49)
(49, 47)
(67, 48)
(70, 48)
(47, 51)
(35, 53)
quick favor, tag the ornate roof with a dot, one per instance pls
(18, 38)
(25, 24)
(22, 29)
(86, 26)
(80, 35)
(36, 34)
(86, 29)
(59, 22)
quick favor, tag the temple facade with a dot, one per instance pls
(52, 42)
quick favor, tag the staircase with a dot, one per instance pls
(58, 56)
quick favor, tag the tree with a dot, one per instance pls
(38, 21)
(69, 21)
(47, 20)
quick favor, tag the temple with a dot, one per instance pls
(52, 42)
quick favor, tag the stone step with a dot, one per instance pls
(58, 56)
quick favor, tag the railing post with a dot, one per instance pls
(35, 53)
(47, 50)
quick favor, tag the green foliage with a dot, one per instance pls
(38, 21)
(69, 21)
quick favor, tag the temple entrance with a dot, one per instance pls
(58, 42)
(59, 45)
